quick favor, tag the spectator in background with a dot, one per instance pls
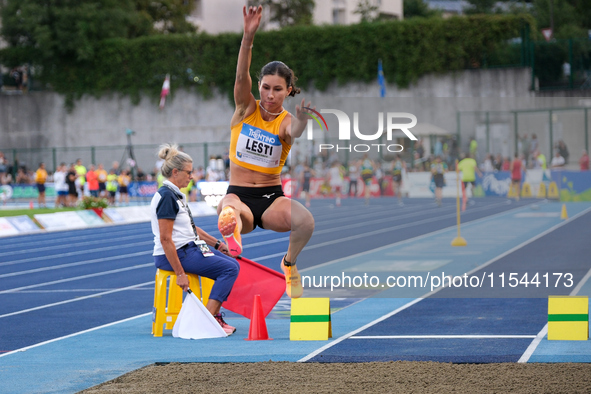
(367, 171)
(438, 170)
(353, 178)
(40, 179)
(563, 150)
(335, 175)
(101, 174)
(71, 176)
(526, 148)
(396, 170)
(420, 149)
(112, 185)
(61, 188)
(473, 148)
(305, 178)
(507, 164)
(22, 178)
(487, 165)
(534, 145)
(539, 161)
(3, 169)
(516, 170)
(498, 162)
(438, 149)
(124, 179)
(81, 179)
(117, 170)
(93, 182)
(557, 161)
(584, 161)
(469, 168)
(141, 175)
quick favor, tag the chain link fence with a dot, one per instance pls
(144, 156)
(524, 131)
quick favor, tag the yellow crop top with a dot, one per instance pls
(255, 143)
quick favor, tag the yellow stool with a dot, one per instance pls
(167, 314)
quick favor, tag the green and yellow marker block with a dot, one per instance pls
(310, 319)
(568, 318)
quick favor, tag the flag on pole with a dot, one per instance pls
(255, 279)
(165, 91)
(381, 79)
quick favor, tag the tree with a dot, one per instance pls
(47, 29)
(168, 15)
(418, 8)
(564, 17)
(368, 10)
(480, 7)
(288, 12)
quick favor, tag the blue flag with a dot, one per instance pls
(381, 79)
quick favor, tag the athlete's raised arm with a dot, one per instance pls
(243, 98)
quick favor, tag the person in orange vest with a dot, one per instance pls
(40, 179)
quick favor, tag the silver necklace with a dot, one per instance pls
(271, 113)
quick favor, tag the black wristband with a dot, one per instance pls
(217, 244)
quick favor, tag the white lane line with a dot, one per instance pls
(80, 252)
(533, 345)
(443, 337)
(535, 238)
(399, 243)
(74, 334)
(74, 236)
(536, 342)
(54, 282)
(53, 267)
(73, 245)
(75, 299)
(350, 334)
(581, 284)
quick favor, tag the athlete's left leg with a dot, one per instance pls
(289, 215)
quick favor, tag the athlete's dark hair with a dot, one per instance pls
(279, 68)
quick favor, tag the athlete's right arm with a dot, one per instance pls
(243, 98)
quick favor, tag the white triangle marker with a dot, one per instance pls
(195, 322)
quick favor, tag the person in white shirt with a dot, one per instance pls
(61, 188)
(557, 161)
(181, 246)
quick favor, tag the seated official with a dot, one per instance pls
(181, 246)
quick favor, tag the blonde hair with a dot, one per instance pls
(173, 158)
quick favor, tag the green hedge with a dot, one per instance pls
(319, 55)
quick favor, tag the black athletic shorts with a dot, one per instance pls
(439, 180)
(258, 199)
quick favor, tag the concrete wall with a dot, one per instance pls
(40, 119)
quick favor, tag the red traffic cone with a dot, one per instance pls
(258, 327)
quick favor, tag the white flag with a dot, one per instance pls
(195, 322)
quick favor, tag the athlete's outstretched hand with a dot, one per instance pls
(252, 19)
(302, 113)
